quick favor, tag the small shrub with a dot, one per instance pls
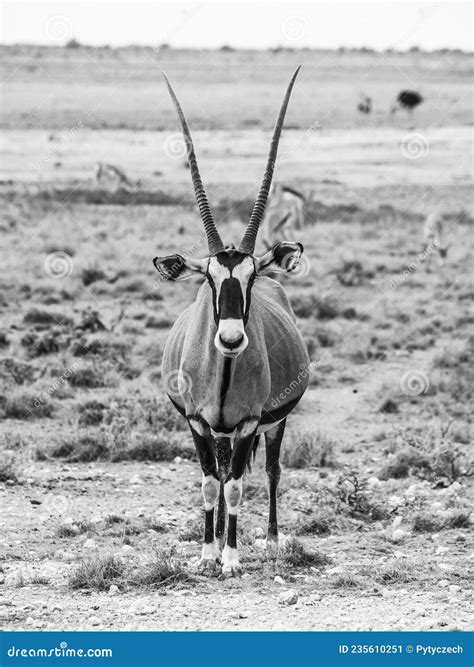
(87, 377)
(41, 316)
(8, 472)
(396, 572)
(25, 405)
(313, 449)
(403, 464)
(352, 491)
(73, 529)
(318, 525)
(38, 345)
(424, 522)
(345, 581)
(97, 573)
(160, 447)
(323, 308)
(91, 413)
(84, 449)
(192, 531)
(162, 572)
(19, 371)
(91, 275)
(295, 555)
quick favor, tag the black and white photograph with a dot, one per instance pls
(236, 342)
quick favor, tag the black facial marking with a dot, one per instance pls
(231, 302)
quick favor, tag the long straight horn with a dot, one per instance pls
(213, 239)
(249, 238)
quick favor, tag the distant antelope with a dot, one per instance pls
(283, 214)
(113, 177)
(434, 238)
(234, 364)
(365, 104)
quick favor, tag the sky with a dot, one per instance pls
(244, 24)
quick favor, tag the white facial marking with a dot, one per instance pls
(210, 491)
(231, 331)
(233, 494)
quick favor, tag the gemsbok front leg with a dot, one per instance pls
(273, 439)
(241, 452)
(223, 453)
(204, 444)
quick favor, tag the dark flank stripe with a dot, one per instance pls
(280, 412)
(224, 388)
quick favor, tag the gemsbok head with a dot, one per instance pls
(234, 364)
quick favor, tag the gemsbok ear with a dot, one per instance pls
(176, 267)
(283, 257)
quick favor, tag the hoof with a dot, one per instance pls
(207, 565)
(230, 562)
(272, 548)
(232, 570)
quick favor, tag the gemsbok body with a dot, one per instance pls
(234, 364)
(283, 214)
(434, 238)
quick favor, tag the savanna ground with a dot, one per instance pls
(99, 485)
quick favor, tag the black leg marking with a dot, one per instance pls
(244, 440)
(210, 488)
(232, 531)
(223, 451)
(273, 440)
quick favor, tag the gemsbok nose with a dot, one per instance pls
(231, 339)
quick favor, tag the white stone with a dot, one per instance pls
(339, 569)
(372, 482)
(443, 583)
(279, 580)
(454, 588)
(114, 590)
(90, 544)
(398, 535)
(127, 550)
(442, 550)
(288, 597)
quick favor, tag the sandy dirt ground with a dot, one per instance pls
(98, 480)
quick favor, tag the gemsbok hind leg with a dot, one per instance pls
(273, 439)
(241, 452)
(204, 444)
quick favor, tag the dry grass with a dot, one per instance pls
(309, 449)
(295, 554)
(97, 573)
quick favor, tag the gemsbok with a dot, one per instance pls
(283, 214)
(234, 363)
(434, 238)
(113, 177)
